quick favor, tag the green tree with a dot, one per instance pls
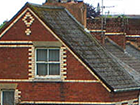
(93, 12)
(3, 24)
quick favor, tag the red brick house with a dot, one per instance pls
(46, 57)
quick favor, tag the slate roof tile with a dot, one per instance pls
(85, 46)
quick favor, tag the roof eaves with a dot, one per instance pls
(45, 6)
(82, 28)
(127, 89)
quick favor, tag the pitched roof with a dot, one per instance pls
(133, 49)
(131, 64)
(86, 47)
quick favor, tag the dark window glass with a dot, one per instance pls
(8, 97)
(54, 69)
(41, 69)
(48, 66)
(54, 55)
(41, 55)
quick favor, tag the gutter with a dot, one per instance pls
(126, 89)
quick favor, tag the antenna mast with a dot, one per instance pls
(102, 25)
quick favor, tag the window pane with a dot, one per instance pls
(54, 69)
(41, 69)
(41, 55)
(8, 98)
(53, 54)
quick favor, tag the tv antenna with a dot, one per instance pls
(102, 21)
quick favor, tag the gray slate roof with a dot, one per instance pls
(129, 62)
(85, 46)
(133, 51)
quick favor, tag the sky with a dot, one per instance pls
(8, 8)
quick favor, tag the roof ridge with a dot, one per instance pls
(115, 44)
(45, 6)
(89, 51)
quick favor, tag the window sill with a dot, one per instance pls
(47, 79)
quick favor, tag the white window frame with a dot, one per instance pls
(59, 62)
(139, 99)
(2, 95)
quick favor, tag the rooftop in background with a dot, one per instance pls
(73, 6)
(122, 15)
(63, 1)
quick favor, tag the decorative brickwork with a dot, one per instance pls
(17, 96)
(28, 20)
(31, 63)
(63, 65)
(78, 84)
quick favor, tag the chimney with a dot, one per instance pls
(52, 1)
(76, 7)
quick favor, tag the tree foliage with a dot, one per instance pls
(92, 12)
(3, 24)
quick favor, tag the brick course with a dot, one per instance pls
(14, 63)
(76, 71)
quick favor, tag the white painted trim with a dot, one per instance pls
(115, 33)
(97, 30)
(56, 102)
(31, 63)
(11, 42)
(65, 81)
(83, 81)
(15, 80)
(16, 45)
(139, 100)
(2, 94)
(133, 36)
(69, 49)
(125, 101)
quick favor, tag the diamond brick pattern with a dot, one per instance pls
(28, 20)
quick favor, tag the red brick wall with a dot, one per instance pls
(49, 91)
(94, 24)
(110, 24)
(39, 33)
(133, 27)
(69, 92)
(118, 39)
(121, 96)
(97, 35)
(75, 70)
(17, 32)
(13, 63)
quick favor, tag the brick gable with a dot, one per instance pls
(38, 31)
